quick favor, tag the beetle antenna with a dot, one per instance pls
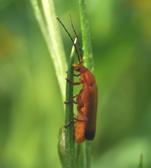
(69, 37)
(73, 28)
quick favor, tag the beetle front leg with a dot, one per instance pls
(70, 102)
(68, 124)
(76, 75)
(73, 83)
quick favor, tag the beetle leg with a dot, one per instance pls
(82, 120)
(73, 83)
(70, 101)
(68, 124)
(76, 75)
(74, 118)
(75, 96)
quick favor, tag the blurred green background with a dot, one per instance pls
(31, 108)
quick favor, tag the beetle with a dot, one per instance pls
(85, 122)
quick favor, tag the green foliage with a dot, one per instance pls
(86, 37)
(69, 157)
(31, 104)
(46, 17)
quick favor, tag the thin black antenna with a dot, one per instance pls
(70, 38)
(79, 46)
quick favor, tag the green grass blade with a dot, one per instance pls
(86, 35)
(88, 62)
(45, 14)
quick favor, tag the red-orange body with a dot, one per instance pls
(85, 124)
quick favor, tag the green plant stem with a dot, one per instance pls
(80, 160)
(86, 35)
(69, 116)
(45, 14)
(88, 62)
(88, 154)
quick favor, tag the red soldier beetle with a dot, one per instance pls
(86, 100)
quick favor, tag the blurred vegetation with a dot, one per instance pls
(31, 107)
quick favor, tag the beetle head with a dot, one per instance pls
(79, 67)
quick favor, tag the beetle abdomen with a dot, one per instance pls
(79, 131)
(89, 135)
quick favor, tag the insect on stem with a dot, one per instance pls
(86, 99)
(73, 83)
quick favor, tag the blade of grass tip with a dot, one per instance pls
(45, 14)
(88, 61)
(69, 116)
